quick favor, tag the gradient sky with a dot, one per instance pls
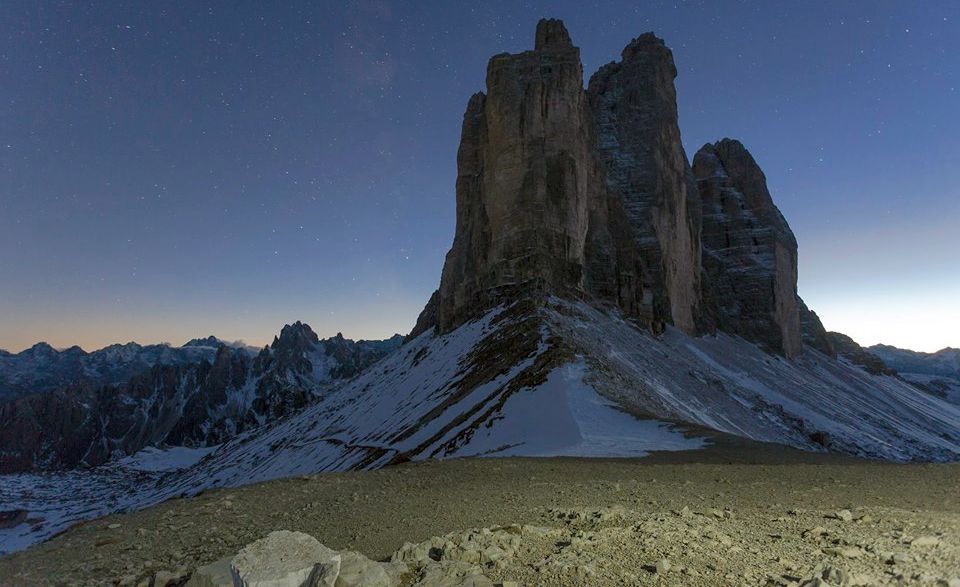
(170, 170)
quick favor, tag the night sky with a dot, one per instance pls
(171, 170)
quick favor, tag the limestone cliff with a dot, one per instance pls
(749, 251)
(634, 104)
(588, 194)
(531, 199)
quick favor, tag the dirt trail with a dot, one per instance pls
(724, 515)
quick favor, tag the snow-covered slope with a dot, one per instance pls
(561, 379)
(936, 373)
(728, 384)
(514, 383)
(201, 404)
(495, 386)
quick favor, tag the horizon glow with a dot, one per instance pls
(227, 169)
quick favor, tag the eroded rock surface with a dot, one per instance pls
(634, 104)
(749, 251)
(589, 194)
(285, 559)
(526, 181)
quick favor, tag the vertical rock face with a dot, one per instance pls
(635, 107)
(749, 251)
(589, 193)
(527, 183)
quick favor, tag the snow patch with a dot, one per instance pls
(174, 458)
(566, 417)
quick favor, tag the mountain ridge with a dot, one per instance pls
(194, 404)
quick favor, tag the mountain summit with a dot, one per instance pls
(588, 195)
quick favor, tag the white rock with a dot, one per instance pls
(285, 559)
(843, 515)
(357, 570)
(453, 574)
(925, 541)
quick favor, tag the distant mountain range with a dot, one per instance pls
(44, 368)
(937, 373)
(72, 408)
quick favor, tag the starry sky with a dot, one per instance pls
(170, 170)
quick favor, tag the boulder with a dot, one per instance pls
(285, 559)
(216, 574)
(356, 570)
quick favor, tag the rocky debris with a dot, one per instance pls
(216, 574)
(482, 547)
(591, 517)
(848, 349)
(285, 559)
(451, 574)
(356, 570)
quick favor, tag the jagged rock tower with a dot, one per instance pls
(534, 213)
(749, 251)
(588, 194)
(634, 103)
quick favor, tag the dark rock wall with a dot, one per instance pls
(749, 251)
(634, 104)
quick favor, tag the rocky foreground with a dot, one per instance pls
(713, 517)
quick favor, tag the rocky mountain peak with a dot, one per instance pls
(41, 349)
(551, 33)
(525, 183)
(634, 106)
(210, 341)
(296, 336)
(651, 49)
(588, 194)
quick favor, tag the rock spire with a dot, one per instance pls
(528, 187)
(588, 194)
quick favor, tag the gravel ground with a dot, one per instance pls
(732, 514)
